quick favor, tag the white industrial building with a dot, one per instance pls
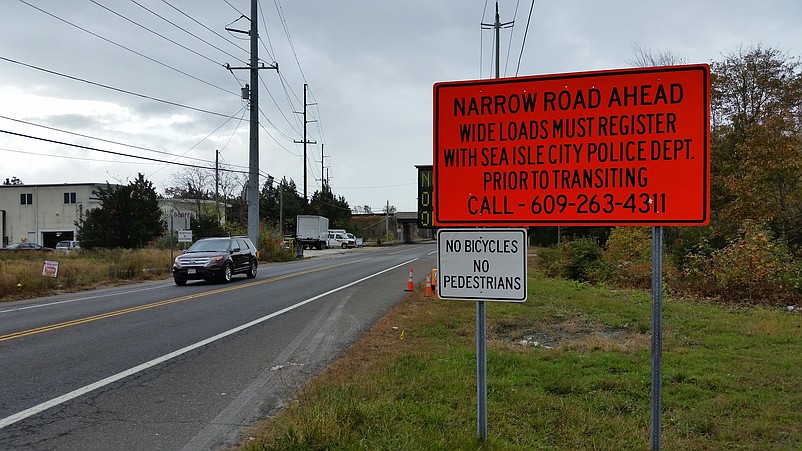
(44, 214)
(47, 214)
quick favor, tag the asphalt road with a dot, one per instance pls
(156, 366)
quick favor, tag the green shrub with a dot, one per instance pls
(627, 258)
(573, 259)
(272, 247)
(754, 267)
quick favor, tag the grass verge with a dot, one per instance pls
(21, 272)
(568, 369)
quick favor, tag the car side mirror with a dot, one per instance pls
(236, 249)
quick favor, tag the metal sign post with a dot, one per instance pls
(657, 334)
(481, 370)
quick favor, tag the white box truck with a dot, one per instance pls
(311, 231)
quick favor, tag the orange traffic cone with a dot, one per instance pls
(428, 285)
(434, 283)
(410, 283)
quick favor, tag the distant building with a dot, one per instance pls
(44, 214)
(47, 214)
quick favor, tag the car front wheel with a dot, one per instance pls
(252, 269)
(225, 277)
(180, 282)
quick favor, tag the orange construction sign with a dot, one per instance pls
(618, 147)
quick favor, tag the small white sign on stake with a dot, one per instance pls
(50, 269)
(483, 264)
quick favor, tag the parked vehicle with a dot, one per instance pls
(216, 258)
(28, 247)
(357, 241)
(311, 231)
(68, 246)
(338, 239)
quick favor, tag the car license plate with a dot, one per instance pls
(191, 271)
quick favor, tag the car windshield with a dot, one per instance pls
(209, 246)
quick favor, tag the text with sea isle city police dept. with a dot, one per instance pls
(611, 148)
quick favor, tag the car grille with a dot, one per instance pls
(194, 261)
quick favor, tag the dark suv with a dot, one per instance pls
(216, 259)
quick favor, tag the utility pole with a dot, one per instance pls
(324, 173)
(253, 153)
(305, 142)
(217, 183)
(323, 180)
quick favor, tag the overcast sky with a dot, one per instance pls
(146, 78)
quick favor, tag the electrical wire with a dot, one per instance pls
(100, 139)
(185, 30)
(523, 42)
(206, 137)
(270, 51)
(128, 49)
(155, 32)
(124, 91)
(53, 141)
(283, 20)
(68, 157)
(509, 45)
(207, 28)
(234, 8)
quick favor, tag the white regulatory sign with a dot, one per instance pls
(486, 264)
(185, 236)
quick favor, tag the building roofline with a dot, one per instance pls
(50, 185)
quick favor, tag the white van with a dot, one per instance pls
(340, 239)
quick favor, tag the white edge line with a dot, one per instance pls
(19, 416)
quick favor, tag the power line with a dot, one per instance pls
(234, 8)
(154, 32)
(509, 45)
(129, 49)
(207, 28)
(53, 141)
(102, 139)
(71, 77)
(278, 108)
(207, 137)
(68, 157)
(523, 42)
(283, 20)
(183, 29)
(270, 51)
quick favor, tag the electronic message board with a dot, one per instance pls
(618, 147)
(425, 205)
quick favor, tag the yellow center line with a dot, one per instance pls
(111, 314)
